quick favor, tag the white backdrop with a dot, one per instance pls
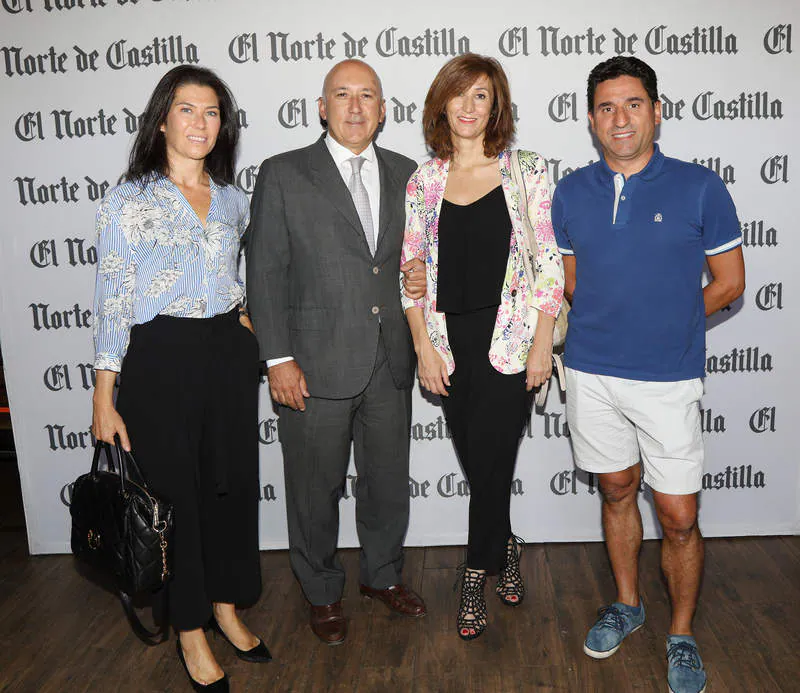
(74, 75)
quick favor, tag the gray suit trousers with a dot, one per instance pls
(316, 452)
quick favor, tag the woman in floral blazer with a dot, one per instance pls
(169, 321)
(483, 334)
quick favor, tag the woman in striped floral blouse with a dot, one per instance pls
(169, 319)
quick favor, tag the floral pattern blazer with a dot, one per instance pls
(519, 301)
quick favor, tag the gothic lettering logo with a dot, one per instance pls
(59, 438)
(267, 493)
(740, 360)
(418, 489)
(775, 169)
(16, 6)
(714, 163)
(62, 376)
(741, 477)
(433, 430)
(778, 39)
(431, 42)
(47, 318)
(28, 127)
(746, 106)
(563, 107)
(763, 420)
(573, 481)
(756, 234)
(243, 48)
(66, 494)
(43, 254)
(293, 113)
(171, 50)
(17, 63)
(246, 178)
(711, 422)
(514, 41)
(402, 113)
(32, 191)
(554, 41)
(268, 431)
(282, 48)
(710, 40)
(770, 296)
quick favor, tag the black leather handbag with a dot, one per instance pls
(120, 528)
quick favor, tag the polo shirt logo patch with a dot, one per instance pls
(658, 217)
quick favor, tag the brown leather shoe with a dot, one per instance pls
(399, 598)
(328, 623)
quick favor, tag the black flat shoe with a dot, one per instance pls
(257, 655)
(219, 686)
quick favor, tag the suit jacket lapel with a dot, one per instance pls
(328, 180)
(388, 210)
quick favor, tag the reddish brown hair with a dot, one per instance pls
(455, 76)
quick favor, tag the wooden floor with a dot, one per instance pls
(59, 632)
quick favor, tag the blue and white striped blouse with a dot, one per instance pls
(156, 258)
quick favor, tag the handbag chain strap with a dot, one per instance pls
(160, 526)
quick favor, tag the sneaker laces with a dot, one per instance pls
(684, 654)
(611, 617)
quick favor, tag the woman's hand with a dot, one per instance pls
(431, 370)
(244, 320)
(539, 365)
(106, 421)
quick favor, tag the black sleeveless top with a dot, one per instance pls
(473, 253)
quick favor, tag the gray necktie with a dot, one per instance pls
(361, 201)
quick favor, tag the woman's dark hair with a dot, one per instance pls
(149, 152)
(622, 66)
(455, 76)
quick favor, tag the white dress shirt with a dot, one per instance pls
(372, 182)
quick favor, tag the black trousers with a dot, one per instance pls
(189, 398)
(486, 412)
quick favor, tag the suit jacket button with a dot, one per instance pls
(376, 270)
(375, 310)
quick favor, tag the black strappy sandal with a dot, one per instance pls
(510, 586)
(472, 609)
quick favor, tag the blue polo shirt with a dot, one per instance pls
(640, 246)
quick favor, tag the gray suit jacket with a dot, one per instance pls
(314, 290)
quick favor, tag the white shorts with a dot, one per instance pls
(614, 422)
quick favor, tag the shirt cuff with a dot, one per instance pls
(108, 362)
(282, 359)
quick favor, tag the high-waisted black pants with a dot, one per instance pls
(486, 412)
(189, 399)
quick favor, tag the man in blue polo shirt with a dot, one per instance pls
(636, 230)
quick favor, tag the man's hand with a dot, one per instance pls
(414, 280)
(287, 385)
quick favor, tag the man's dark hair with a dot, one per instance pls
(620, 66)
(148, 156)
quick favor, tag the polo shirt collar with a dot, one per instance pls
(647, 173)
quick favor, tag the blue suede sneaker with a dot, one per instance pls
(614, 624)
(685, 673)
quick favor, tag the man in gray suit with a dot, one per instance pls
(322, 273)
